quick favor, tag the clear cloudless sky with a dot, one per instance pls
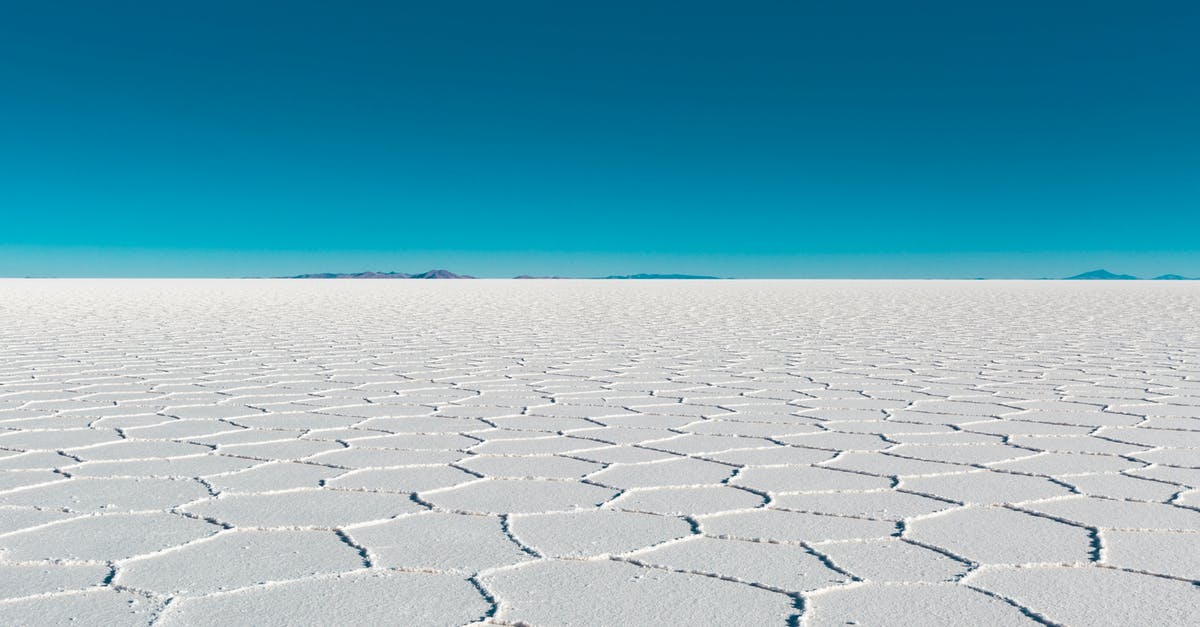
(783, 138)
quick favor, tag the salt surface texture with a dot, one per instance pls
(591, 452)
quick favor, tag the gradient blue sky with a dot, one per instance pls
(754, 139)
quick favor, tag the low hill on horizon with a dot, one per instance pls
(661, 276)
(428, 274)
(1101, 275)
(1105, 275)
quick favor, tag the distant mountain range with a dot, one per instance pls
(1094, 275)
(428, 274)
(661, 276)
(446, 274)
(1105, 275)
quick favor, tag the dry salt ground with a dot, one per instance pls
(200, 452)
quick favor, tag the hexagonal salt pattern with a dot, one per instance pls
(597, 452)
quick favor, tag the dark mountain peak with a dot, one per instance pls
(1173, 277)
(1101, 275)
(440, 274)
(428, 274)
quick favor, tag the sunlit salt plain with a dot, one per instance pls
(189, 452)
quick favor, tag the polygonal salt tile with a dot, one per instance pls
(621, 435)
(529, 466)
(365, 598)
(1091, 419)
(885, 427)
(109, 495)
(777, 479)
(961, 408)
(247, 436)
(1014, 426)
(14, 479)
(842, 415)
(879, 504)
(615, 593)
(676, 472)
(273, 476)
(411, 479)
(995, 535)
(500, 435)
(36, 460)
(504, 496)
(838, 441)
(180, 430)
(596, 532)
(1067, 464)
(623, 455)
(237, 559)
(304, 508)
(933, 419)
(1075, 444)
(1160, 552)
(287, 450)
(785, 567)
(930, 605)
(984, 487)
(385, 458)
(296, 421)
(687, 500)
(138, 449)
(892, 560)
(961, 453)
(92, 607)
(439, 541)
(1122, 487)
(541, 423)
(1162, 409)
(18, 518)
(579, 411)
(380, 411)
(348, 434)
(678, 409)
(179, 467)
(60, 421)
(535, 446)
(850, 403)
(424, 424)
(1152, 437)
(701, 444)
(477, 411)
(749, 429)
(1097, 512)
(417, 441)
(956, 438)
(1185, 458)
(883, 464)
(771, 525)
(56, 439)
(19, 580)
(773, 456)
(209, 412)
(103, 538)
(1189, 477)
(1094, 596)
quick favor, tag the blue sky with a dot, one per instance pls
(752, 139)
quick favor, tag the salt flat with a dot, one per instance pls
(595, 452)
